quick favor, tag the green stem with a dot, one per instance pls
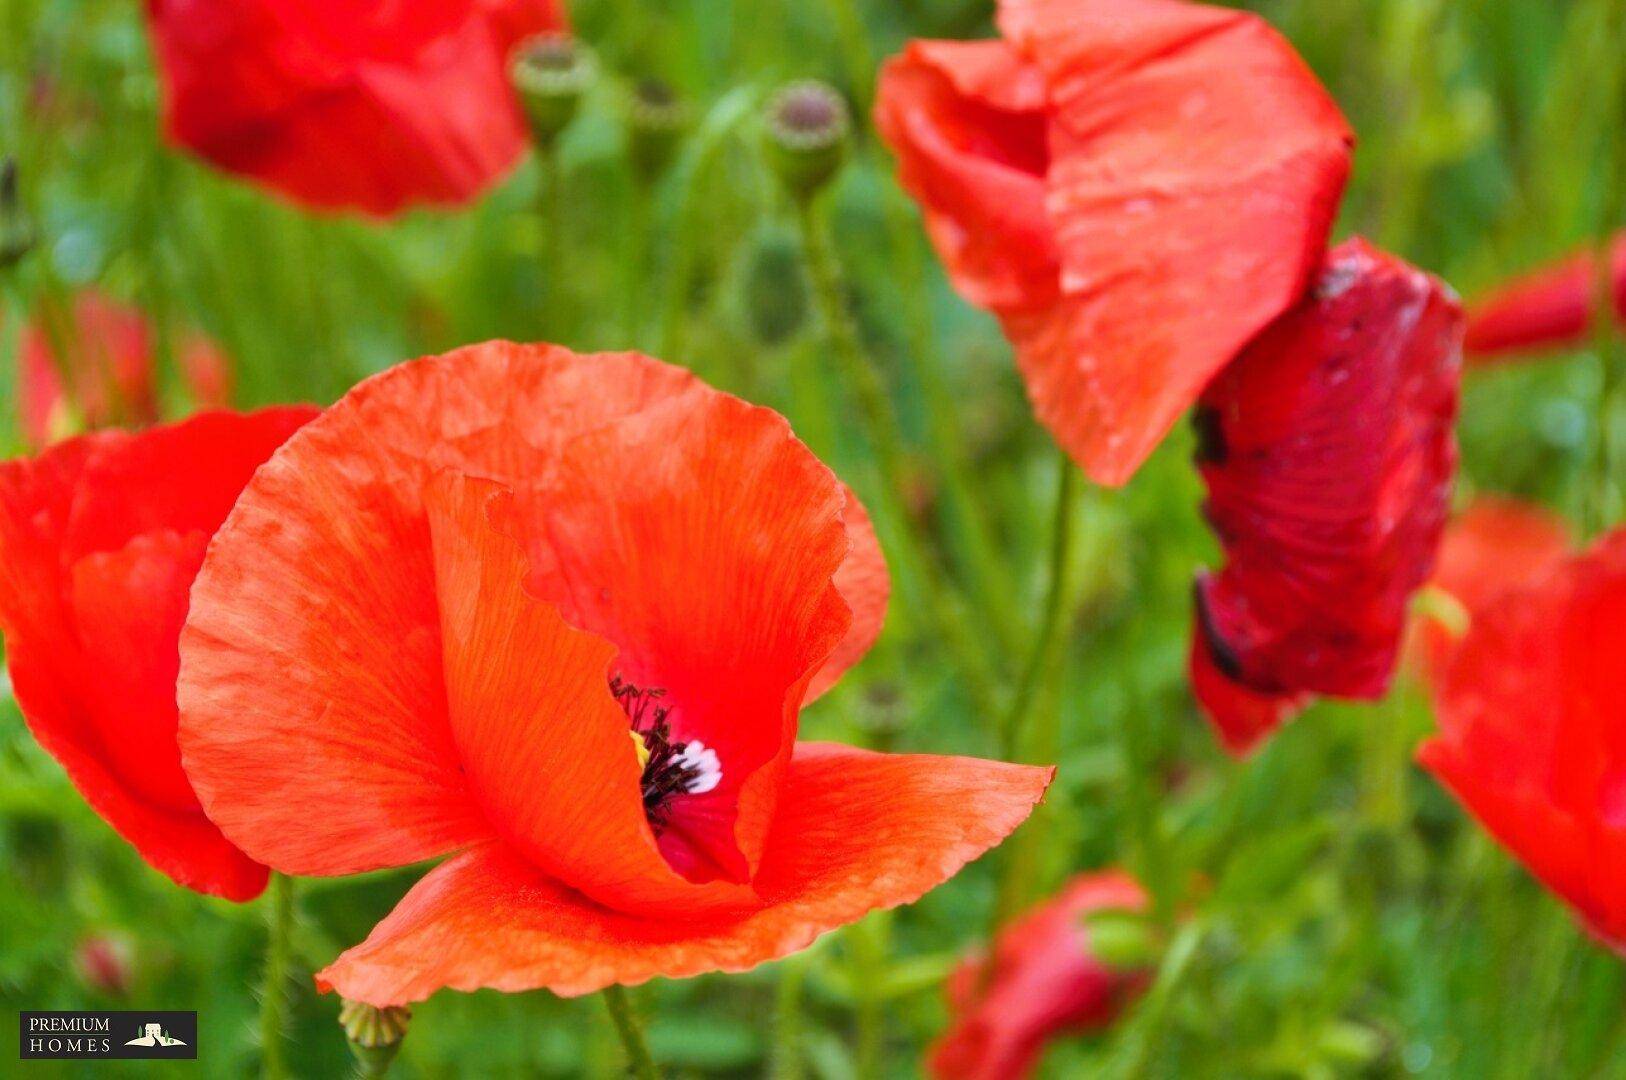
(273, 993)
(639, 1063)
(867, 939)
(1047, 641)
(637, 295)
(550, 214)
(865, 382)
(1140, 763)
(787, 1055)
(855, 52)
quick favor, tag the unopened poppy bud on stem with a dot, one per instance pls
(550, 73)
(16, 231)
(808, 126)
(374, 1034)
(656, 120)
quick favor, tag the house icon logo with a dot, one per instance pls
(153, 1034)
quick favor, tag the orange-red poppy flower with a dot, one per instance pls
(1531, 739)
(1546, 309)
(1135, 187)
(100, 538)
(1328, 453)
(370, 107)
(558, 614)
(1042, 981)
(1497, 545)
(108, 352)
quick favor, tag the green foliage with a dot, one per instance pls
(1334, 914)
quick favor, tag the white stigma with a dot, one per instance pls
(707, 769)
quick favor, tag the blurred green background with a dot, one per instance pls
(1344, 917)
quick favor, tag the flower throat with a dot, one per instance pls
(670, 768)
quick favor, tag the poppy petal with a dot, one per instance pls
(1196, 168)
(1328, 454)
(93, 592)
(856, 831)
(1546, 309)
(562, 787)
(702, 541)
(866, 587)
(1241, 717)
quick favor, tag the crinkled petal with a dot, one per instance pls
(855, 831)
(1328, 454)
(1196, 166)
(866, 587)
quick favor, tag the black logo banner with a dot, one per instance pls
(109, 1036)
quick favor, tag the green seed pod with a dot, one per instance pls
(374, 1034)
(656, 120)
(807, 130)
(550, 73)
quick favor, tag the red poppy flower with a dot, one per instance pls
(1135, 187)
(100, 538)
(344, 105)
(1328, 454)
(1548, 309)
(110, 358)
(558, 614)
(1496, 546)
(1531, 739)
(1043, 981)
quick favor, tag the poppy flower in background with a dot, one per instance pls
(557, 614)
(1136, 188)
(1043, 981)
(1497, 545)
(344, 105)
(1530, 735)
(1547, 309)
(100, 537)
(1328, 453)
(112, 360)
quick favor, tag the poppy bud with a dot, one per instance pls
(656, 120)
(807, 129)
(374, 1034)
(551, 72)
(16, 231)
(102, 962)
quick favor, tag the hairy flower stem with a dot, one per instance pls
(274, 991)
(856, 56)
(867, 941)
(550, 215)
(787, 1052)
(639, 1063)
(865, 382)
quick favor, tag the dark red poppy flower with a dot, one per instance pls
(558, 614)
(1328, 453)
(100, 538)
(1546, 309)
(1531, 739)
(370, 107)
(1496, 546)
(1043, 981)
(1135, 187)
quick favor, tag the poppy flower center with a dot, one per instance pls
(670, 767)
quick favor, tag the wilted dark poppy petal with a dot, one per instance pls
(93, 592)
(1530, 738)
(1041, 982)
(855, 831)
(1546, 309)
(1241, 717)
(1328, 454)
(343, 108)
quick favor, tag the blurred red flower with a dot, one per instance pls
(100, 538)
(102, 962)
(1548, 308)
(1530, 737)
(1043, 981)
(1135, 187)
(111, 360)
(1328, 454)
(1497, 545)
(346, 105)
(559, 614)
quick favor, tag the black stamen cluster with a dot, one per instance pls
(663, 775)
